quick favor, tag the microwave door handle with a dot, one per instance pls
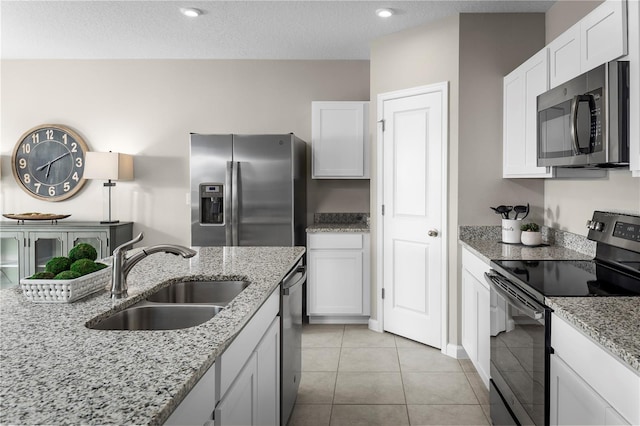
(575, 106)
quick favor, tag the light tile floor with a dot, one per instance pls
(354, 376)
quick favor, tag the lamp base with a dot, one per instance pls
(109, 221)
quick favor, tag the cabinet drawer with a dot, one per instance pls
(334, 241)
(612, 380)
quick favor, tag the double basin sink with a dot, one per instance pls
(180, 305)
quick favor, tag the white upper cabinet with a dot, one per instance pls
(634, 85)
(564, 56)
(521, 88)
(599, 37)
(603, 34)
(339, 140)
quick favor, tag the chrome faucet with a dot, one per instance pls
(122, 266)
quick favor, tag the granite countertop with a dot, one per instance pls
(612, 322)
(339, 222)
(55, 370)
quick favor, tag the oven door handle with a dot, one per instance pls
(523, 305)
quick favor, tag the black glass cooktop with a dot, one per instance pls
(568, 277)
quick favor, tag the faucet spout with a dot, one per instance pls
(122, 265)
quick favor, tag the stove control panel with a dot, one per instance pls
(615, 229)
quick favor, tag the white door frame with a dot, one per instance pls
(443, 88)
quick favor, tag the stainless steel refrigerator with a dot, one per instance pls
(248, 190)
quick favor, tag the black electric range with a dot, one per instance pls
(615, 271)
(521, 325)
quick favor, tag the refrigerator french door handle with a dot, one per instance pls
(228, 214)
(234, 202)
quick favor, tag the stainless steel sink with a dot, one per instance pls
(214, 292)
(158, 317)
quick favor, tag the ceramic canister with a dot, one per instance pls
(511, 231)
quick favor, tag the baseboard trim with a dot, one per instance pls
(375, 325)
(338, 320)
(456, 351)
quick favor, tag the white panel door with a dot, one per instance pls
(412, 179)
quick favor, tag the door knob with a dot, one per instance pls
(432, 233)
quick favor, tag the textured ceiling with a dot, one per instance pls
(127, 29)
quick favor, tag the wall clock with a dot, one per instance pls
(48, 162)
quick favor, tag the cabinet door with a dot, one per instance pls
(564, 56)
(469, 315)
(43, 246)
(239, 406)
(197, 407)
(339, 144)
(268, 358)
(603, 34)
(572, 400)
(12, 258)
(520, 130)
(98, 239)
(335, 282)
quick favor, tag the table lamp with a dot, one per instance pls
(109, 166)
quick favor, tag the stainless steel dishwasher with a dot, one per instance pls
(291, 338)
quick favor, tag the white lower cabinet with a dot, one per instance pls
(338, 277)
(589, 386)
(248, 372)
(243, 386)
(476, 311)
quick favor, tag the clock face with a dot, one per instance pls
(48, 162)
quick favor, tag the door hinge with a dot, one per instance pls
(383, 210)
(383, 125)
(383, 293)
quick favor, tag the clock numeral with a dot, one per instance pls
(66, 187)
(26, 148)
(22, 163)
(74, 147)
(52, 191)
(35, 137)
(38, 185)
(64, 138)
(49, 133)
(78, 162)
(75, 176)
(27, 178)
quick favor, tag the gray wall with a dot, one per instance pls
(148, 107)
(570, 202)
(491, 46)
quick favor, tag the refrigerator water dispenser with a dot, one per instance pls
(211, 203)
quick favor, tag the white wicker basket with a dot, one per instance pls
(65, 291)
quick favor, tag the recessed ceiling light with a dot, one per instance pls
(191, 12)
(384, 13)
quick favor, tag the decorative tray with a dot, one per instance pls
(21, 217)
(65, 291)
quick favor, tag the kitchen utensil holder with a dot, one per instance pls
(511, 231)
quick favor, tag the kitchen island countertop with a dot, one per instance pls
(612, 322)
(55, 370)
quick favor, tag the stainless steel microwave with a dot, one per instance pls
(585, 121)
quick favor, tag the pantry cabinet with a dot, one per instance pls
(26, 248)
(340, 140)
(338, 277)
(476, 313)
(599, 37)
(521, 88)
(581, 394)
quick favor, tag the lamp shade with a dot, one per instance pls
(108, 165)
